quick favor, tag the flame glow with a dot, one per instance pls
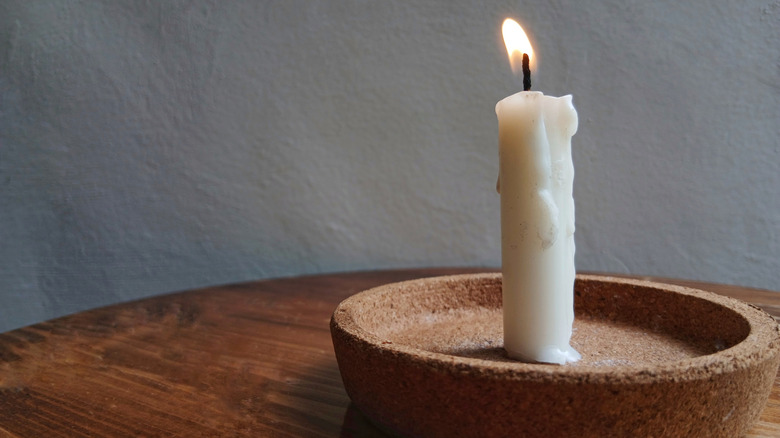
(517, 43)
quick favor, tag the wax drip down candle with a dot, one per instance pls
(535, 181)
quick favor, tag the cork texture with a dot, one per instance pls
(425, 358)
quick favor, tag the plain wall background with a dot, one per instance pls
(148, 147)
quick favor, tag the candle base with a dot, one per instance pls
(551, 355)
(426, 358)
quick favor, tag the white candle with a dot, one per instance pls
(535, 181)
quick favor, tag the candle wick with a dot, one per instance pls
(526, 73)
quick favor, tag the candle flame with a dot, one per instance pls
(517, 43)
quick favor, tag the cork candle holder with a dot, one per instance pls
(425, 358)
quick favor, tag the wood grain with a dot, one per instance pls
(242, 360)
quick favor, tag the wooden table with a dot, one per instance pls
(250, 359)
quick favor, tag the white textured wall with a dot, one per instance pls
(147, 147)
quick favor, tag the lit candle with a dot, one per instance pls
(535, 180)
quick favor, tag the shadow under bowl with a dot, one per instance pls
(425, 358)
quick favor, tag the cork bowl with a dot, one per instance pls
(424, 358)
